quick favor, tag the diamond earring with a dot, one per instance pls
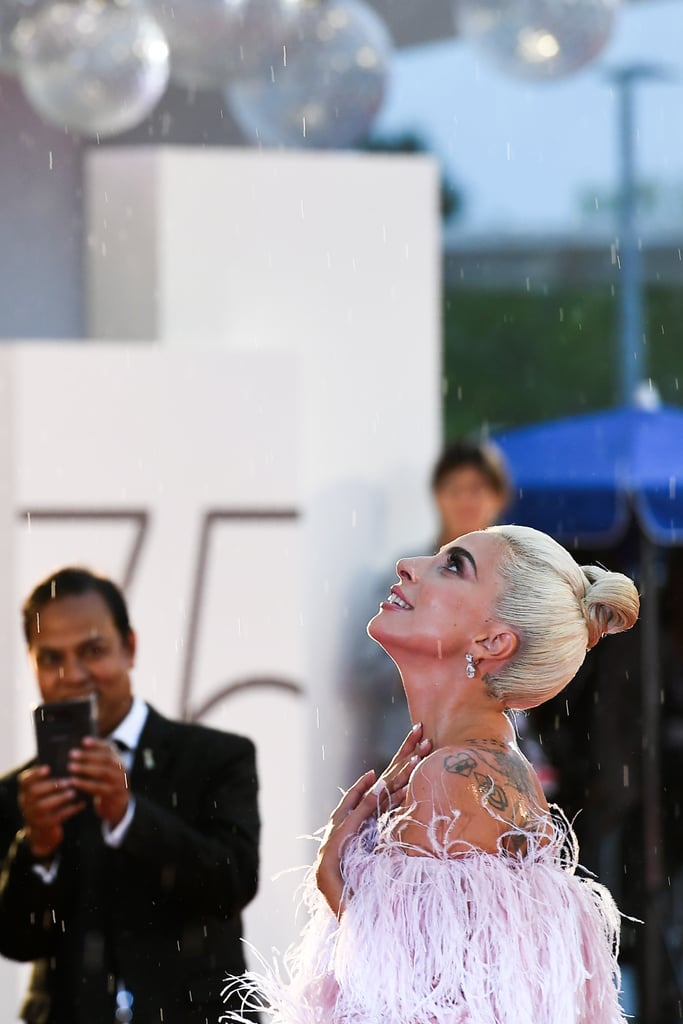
(470, 671)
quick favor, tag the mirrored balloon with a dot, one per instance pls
(12, 14)
(329, 86)
(212, 41)
(95, 67)
(538, 39)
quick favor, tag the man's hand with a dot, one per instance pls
(45, 804)
(96, 770)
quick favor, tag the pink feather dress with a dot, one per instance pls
(472, 938)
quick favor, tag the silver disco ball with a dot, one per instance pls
(329, 86)
(95, 67)
(212, 41)
(537, 39)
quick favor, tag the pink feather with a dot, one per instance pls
(475, 938)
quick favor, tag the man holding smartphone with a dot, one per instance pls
(123, 880)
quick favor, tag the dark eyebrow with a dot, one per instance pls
(42, 649)
(97, 638)
(465, 554)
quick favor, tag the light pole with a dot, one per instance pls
(631, 326)
(631, 338)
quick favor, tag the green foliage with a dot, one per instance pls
(450, 196)
(512, 358)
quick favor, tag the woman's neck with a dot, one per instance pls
(453, 712)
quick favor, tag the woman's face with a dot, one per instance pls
(444, 602)
(466, 501)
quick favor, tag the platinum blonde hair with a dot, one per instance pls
(558, 610)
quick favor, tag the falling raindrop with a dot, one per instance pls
(213, 41)
(331, 86)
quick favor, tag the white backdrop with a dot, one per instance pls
(334, 258)
(254, 439)
(153, 467)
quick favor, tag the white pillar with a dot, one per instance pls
(174, 473)
(334, 257)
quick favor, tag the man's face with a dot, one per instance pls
(76, 649)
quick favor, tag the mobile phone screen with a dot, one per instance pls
(60, 726)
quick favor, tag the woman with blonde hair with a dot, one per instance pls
(447, 891)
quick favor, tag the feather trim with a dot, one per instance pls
(475, 938)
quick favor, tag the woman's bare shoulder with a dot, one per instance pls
(498, 768)
(468, 795)
(443, 808)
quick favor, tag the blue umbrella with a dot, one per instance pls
(583, 478)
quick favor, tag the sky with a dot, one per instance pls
(523, 153)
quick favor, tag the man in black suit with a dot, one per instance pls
(123, 882)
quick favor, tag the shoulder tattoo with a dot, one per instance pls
(496, 757)
(466, 763)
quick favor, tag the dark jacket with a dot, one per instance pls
(162, 912)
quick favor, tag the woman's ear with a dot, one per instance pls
(498, 646)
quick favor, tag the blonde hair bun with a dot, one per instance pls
(557, 610)
(610, 603)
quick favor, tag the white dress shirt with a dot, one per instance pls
(127, 733)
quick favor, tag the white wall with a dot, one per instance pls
(274, 329)
(95, 437)
(334, 257)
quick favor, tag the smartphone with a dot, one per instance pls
(60, 726)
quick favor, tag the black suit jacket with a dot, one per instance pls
(162, 912)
